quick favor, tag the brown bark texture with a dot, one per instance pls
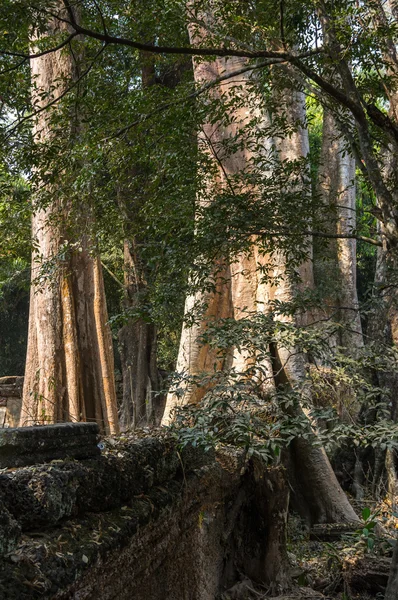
(69, 372)
(137, 344)
(240, 287)
(238, 283)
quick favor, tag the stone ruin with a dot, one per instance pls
(132, 517)
(136, 516)
(10, 401)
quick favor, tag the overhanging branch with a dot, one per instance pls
(27, 56)
(187, 50)
(320, 234)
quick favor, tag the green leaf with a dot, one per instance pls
(371, 543)
(366, 513)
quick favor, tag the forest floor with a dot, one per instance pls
(334, 565)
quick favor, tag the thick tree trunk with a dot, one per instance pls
(69, 367)
(239, 290)
(317, 493)
(194, 358)
(245, 291)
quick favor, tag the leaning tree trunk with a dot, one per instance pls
(69, 372)
(317, 494)
(243, 290)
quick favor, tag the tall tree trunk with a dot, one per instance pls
(69, 372)
(138, 337)
(336, 184)
(238, 285)
(137, 343)
(244, 290)
(317, 494)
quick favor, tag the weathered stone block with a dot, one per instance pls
(13, 412)
(12, 379)
(11, 386)
(44, 494)
(10, 531)
(22, 446)
(39, 498)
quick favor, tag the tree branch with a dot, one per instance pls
(347, 236)
(104, 27)
(187, 50)
(321, 234)
(25, 57)
(13, 126)
(114, 277)
(13, 67)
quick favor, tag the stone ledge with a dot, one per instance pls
(42, 495)
(171, 523)
(14, 380)
(23, 446)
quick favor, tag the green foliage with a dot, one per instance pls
(14, 307)
(367, 530)
(365, 537)
(237, 410)
(14, 270)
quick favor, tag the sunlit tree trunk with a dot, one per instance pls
(194, 358)
(296, 147)
(238, 290)
(243, 290)
(69, 372)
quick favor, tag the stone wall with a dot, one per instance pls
(142, 520)
(10, 401)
